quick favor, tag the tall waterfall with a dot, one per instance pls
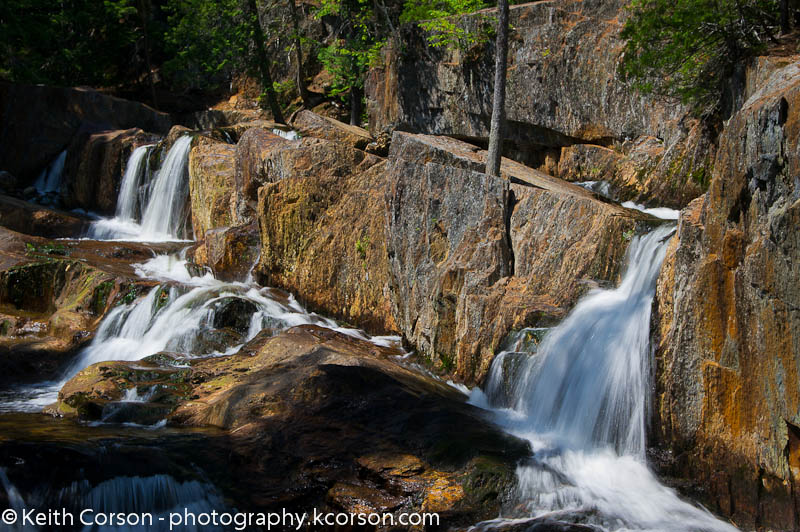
(581, 399)
(165, 206)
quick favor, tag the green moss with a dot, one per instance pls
(5, 327)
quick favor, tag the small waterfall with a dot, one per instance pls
(166, 211)
(15, 500)
(128, 201)
(580, 397)
(157, 495)
(163, 203)
(49, 180)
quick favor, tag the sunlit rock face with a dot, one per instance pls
(727, 322)
(322, 230)
(563, 90)
(473, 257)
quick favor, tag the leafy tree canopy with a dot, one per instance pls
(687, 49)
(69, 42)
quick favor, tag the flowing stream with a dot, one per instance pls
(163, 200)
(580, 397)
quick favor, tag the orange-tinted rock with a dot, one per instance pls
(230, 252)
(33, 219)
(473, 257)
(310, 124)
(211, 184)
(318, 419)
(95, 165)
(252, 153)
(322, 231)
(727, 326)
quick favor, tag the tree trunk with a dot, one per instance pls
(785, 26)
(355, 106)
(144, 12)
(499, 103)
(301, 81)
(264, 63)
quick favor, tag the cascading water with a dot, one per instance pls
(166, 211)
(49, 180)
(164, 208)
(157, 495)
(128, 201)
(581, 401)
(182, 316)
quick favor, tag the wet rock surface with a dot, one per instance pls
(53, 295)
(366, 434)
(727, 329)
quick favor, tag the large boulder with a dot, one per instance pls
(37, 123)
(310, 124)
(252, 167)
(229, 252)
(473, 257)
(563, 89)
(318, 419)
(211, 184)
(726, 322)
(322, 230)
(33, 219)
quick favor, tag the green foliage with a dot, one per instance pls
(208, 40)
(687, 49)
(362, 244)
(93, 42)
(362, 35)
(49, 248)
(436, 18)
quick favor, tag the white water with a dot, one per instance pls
(659, 212)
(158, 495)
(49, 180)
(582, 402)
(179, 319)
(128, 201)
(164, 208)
(288, 135)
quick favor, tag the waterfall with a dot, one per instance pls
(166, 212)
(580, 397)
(158, 495)
(163, 203)
(128, 201)
(49, 180)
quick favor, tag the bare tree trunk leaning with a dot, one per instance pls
(264, 64)
(499, 103)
